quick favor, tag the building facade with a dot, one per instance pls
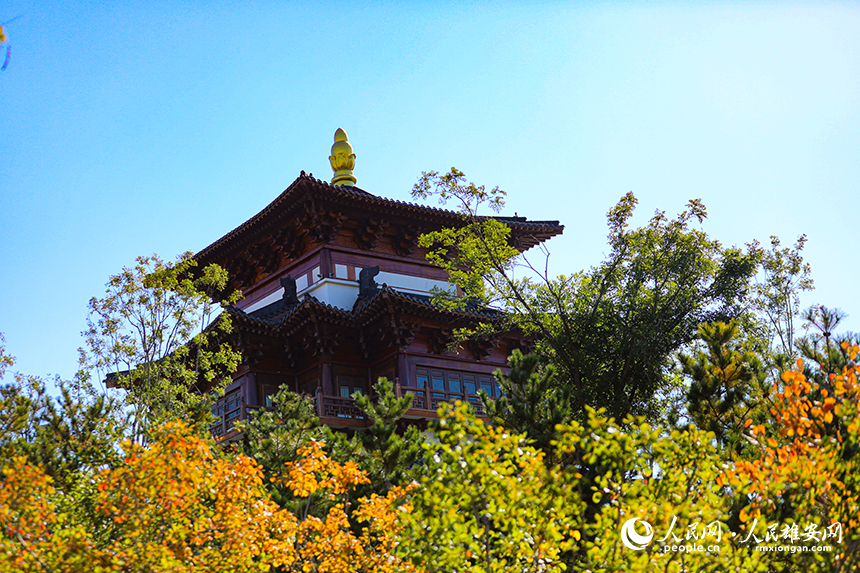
(337, 293)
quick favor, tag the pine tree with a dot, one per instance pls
(392, 454)
(533, 402)
(727, 385)
(274, 437)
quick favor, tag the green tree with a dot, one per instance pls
(6, 361)
(15, 410)
(486, 502)
(532, 402)
(489, 502)
(273, 438)
(610, 331)
(65, 438)
(668, 479)
(727, 386)
(822, 348)
(14, 406)
(156, 333)
(68, 435)
(776, 296)
(388, 453)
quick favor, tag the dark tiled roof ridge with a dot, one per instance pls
(266, 313)
(271, 319)
(270, 309)
(366, 196)
(426, 301)
(241, 314)
(522, 221)
(311, 299)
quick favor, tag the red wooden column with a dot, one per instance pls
(402, 372)
(326, 381)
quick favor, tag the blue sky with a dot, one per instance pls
(139, 128)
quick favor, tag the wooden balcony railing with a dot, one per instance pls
(233, 408)
(337, 407)
(418, 399)
(421, 396)
(231, 411)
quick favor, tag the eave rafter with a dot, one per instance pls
(363, 345)
(322, 340)
(369, 231)
(441, 340)
(293, 353)
(525, 344)
(250, 347)
(400, 332)
(482, 347)
(405, 241)
(322, 223)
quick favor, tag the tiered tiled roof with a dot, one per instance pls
(307, 187)
(283, 318)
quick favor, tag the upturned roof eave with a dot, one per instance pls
(281, 323)
(538, 230)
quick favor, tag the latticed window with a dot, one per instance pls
(227, 410)
(349, 385)
(450, 385)
(269, 393)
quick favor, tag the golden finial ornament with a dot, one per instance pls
(342, 160)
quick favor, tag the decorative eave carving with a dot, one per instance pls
(482, 347)
(406, 240)
(321, 340)
(290, 296)
(241, 271)
(369, 232)
(293, 354)
(289, 242)
(321, 224)
(363, 345)
(526, 345)
(265, 257)
(251, 351)
(367, 286)
(399, 332)
(441, 340)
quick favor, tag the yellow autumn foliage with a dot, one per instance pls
(177, 506)
(809, 460)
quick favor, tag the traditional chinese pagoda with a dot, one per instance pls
(337, 293)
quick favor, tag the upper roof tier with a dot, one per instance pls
(311, 210)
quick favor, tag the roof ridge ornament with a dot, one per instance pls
(342, 160)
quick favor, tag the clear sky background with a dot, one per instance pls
(132, 128)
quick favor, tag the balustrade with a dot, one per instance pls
(233, 408)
